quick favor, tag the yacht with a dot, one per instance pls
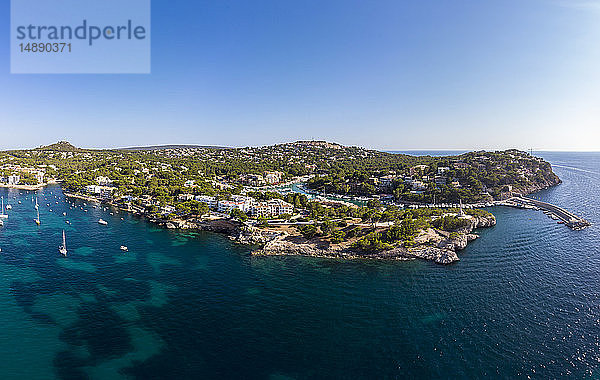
(103, 222)
(63, 248)
(124, 248)
(2, 214)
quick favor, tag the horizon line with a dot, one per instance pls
(387, 150)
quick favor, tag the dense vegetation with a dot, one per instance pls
(470, 177)
(475, 176)
(156, 178)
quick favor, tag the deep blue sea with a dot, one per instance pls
(524, 301)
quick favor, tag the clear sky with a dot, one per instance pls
(384, 74)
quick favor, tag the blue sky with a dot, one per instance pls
(430, 74)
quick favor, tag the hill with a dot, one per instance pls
(61, 146)
(165, 147)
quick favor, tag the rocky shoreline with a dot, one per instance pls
(434, 245)
(440, 247)
(29, 187)
(537, 186)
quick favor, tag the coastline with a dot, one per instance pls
(432, 245)
(82, 197)
(28, 187)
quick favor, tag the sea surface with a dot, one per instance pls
(524, 301)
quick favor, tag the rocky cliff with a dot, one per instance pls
(434, 245)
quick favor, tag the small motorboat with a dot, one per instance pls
(103, 222)
(63, 248)
(124, 248)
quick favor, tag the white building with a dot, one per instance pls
(168, 209)
(104, 181)
(185, 197)
(104, 192)
(272, 207)
(210, 201)
(14, 179)
(242, 198)
(39, 176)
(273, 177)
(227, 206)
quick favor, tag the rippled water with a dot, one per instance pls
(523, 300)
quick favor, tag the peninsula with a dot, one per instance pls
(311, 198)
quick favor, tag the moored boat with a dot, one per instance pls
(63, 248)
(2, 214)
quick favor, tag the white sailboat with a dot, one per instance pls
(2, 214)
(63, 248)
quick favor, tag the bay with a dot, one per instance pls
(523, 300)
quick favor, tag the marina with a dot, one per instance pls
(567, 218)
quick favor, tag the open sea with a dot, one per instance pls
(524, 301)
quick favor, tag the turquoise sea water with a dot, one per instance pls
(523, 301)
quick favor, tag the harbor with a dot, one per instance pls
(563, 216)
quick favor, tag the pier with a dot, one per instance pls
(569, 219)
